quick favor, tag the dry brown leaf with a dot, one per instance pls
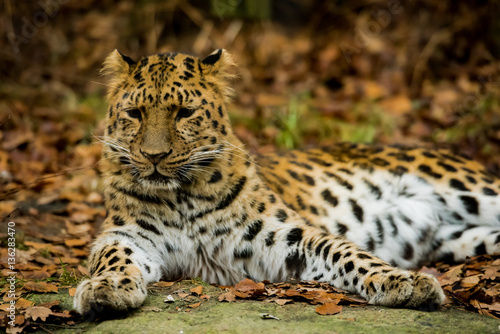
(40, 287)
(451, 276)
(38, 245)
(69, 260)
(19, 319)
(431, 271)
(36, 275)
(289, 293)
(493, 291)
(198, 290)
(183, 295)
(206, 297)
(470, 281)
(162, 284)
(329, 309)
(248, 288)
(494, 307)
(76, 252)
(72, 292)
(15, 329)
(75, 242)
(195, 305)
(64, 314)
(228, 297)
(36, 312)
(77, 229)
(282, 302)
(23, 303)
(83, 270)
(4, 307)
(491, 272)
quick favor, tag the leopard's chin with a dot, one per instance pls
(157, 180)
(157, 177)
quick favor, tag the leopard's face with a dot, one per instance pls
(167, 120)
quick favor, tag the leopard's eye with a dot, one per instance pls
(184, 112)
(134, 113)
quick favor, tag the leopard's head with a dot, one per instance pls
(167, 119)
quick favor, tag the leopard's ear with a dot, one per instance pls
(117, 64)
(118, 67)
(219, 68)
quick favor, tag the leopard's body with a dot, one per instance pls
(184, 198)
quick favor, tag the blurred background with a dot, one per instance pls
(311, 73)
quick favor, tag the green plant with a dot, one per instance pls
(67, 277)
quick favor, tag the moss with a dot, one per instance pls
(245, 317)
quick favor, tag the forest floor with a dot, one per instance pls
(192, 306)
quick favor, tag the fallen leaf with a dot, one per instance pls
(329, 309)
(248, 288)
(183, 295)
(430, 271)
(75, 242)
(23, 303)
(494, 307)
(194, 305)
(282, 302)
(84, 271)
(40, 287)
(470, 281)
(70, 260)
(64, 314)
(38, 245)
(36, 312)
(19, 320)
(15, 329)
(163, 284)
(228, 297)
(491, 272)
(4, 307)
(72, 292)
(198, 290)
(451, 276)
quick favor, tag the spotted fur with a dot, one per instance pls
(184, 198)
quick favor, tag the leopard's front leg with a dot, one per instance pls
(313, 255)
(121, 265)
(345, 265)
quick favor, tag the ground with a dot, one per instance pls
(246, 316)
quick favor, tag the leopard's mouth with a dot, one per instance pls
(157, 177)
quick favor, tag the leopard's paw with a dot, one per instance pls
(427, 294)
(401, 288)
(109, 293)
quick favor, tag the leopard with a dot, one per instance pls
(184, 198)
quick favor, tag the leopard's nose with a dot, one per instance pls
(156, 158)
